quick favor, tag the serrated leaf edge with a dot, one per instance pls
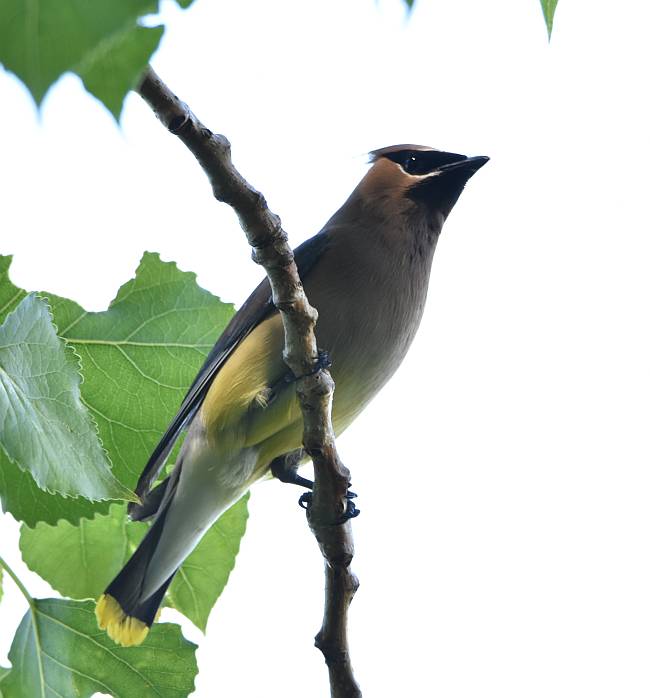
(67, 347)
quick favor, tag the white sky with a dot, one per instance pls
(503, 474)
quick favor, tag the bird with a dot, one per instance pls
(367, 274)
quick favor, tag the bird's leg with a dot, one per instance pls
(285, 468)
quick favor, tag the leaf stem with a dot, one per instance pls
(18, 583)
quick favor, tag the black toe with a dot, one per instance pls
(351, 511)
(305, 500)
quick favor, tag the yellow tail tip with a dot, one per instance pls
(122, 629)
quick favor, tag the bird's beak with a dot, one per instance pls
(468, 165)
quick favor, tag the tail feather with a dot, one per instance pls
(189, 505)
(128, 629)
(122, 610)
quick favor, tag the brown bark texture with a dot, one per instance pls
(314, 384)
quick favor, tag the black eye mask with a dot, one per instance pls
(421, 162)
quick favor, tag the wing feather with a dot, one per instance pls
(257, 308)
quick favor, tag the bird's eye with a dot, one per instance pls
(410, 164)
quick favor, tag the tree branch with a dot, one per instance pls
(314, 384)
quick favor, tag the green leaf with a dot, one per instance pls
(10, 295)
(3, 672)
(409, 4)
(20, 495)
(42, 39)
(25, 501)
(203, 576)
(46, 430)
(96, 550)
(115, 66)
(184, 3)
(140, 356)
(548, 8)
(132, 384)
(58, 651)
(0, 600)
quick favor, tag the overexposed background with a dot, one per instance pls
(503, 473)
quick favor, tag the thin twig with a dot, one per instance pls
(314, 384)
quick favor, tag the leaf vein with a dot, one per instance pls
(103, 647)
(79, 673)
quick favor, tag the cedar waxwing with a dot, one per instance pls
(367, 274)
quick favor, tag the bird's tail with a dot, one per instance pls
(197, 492)
(122, 610)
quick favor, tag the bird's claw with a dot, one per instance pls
(324, 360)
(305, 500)
(351, 510)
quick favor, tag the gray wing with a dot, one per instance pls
(257, 308)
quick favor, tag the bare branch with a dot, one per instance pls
(314, 384)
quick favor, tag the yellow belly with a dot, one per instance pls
(249, 403)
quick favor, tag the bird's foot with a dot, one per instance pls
(351, 510)
(324, 362)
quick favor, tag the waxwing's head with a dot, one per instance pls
(415, 178)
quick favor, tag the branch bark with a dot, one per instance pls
(314, 384)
